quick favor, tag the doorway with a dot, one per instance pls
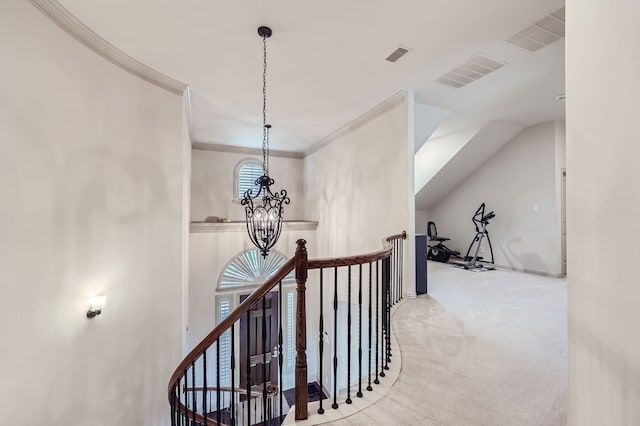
(261, 351)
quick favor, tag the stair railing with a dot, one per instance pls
(378, 278)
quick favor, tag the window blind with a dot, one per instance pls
(246, 178)
(224, 308)
(291, 330)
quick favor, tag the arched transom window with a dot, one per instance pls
(250, 268)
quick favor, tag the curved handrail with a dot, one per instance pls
(254, 297)
(361, 258)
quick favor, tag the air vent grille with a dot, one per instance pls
(542, 33)
(476, 67)
(397, 54)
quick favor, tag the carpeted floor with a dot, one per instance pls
(482, 349)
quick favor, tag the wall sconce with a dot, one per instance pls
(97, 304)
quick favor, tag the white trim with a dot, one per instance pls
(244, 150)
(241, 226)
(72, 25)
(408, 246)
(373, 113)
(186, 98)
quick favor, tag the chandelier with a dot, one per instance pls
(264, 208)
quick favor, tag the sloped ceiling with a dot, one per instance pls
(474, 146)
(326, 60)
(427, 120)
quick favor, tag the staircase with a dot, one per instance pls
(370, 284)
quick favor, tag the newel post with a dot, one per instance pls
(302, 397)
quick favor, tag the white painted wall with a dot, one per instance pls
(422, 218)
(356, 187)
(212, 184)
(186, 214)
(603, 211)
(520, 175)
(91, 178)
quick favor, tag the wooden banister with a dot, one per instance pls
(358, 259)
(302, 397)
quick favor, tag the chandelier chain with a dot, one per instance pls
(265, 130)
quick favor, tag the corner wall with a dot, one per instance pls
(91, 178)
(422, 219)
(212, 184)
(603, 211)
(357, 187)
(519, 184)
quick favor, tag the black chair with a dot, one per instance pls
(438, 252)
(432, 233)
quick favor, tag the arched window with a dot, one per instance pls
(244, 177)
(250, 268)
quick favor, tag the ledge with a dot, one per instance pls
(287, 225)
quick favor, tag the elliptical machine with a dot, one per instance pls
(480, 221)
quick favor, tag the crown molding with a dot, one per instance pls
(72, 25)
(247, 151)
(374, 112)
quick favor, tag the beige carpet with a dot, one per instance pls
(482, 349)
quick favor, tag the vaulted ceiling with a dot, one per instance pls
(327, 60)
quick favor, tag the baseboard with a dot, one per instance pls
(530, 271)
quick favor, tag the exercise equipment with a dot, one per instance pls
(480, 221)
(439, 252)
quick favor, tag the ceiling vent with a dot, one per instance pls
(476, 67)
(544, 32)
(397, 54)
